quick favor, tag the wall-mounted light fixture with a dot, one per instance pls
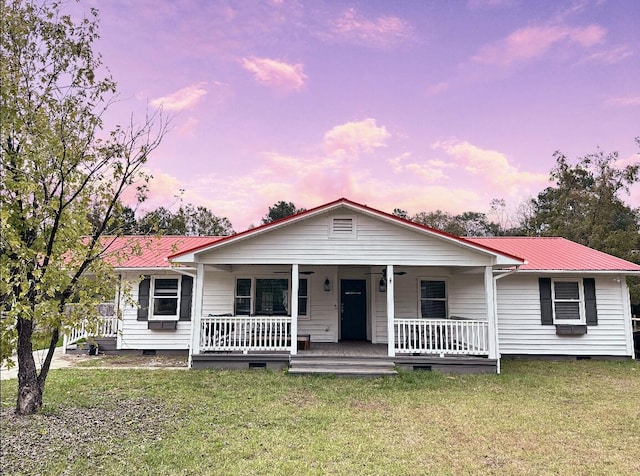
(382, 285)
(327, 285)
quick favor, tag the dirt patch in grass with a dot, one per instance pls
(132, 361)
(54, 441)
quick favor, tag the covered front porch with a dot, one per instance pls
(385, 311)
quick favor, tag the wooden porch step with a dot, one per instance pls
(344, 367)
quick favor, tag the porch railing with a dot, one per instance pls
(245, 333)
(635, 324)
(105, 326)
(441, 336)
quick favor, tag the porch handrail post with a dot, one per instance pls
(391, 313)
(491, 312)
(294, 308)
(196, 321)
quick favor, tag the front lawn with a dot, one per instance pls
(537, 417)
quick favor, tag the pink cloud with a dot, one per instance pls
(492, 167)
(611, 55)
(354, 137)
(624, 101)
(533, 42)
(382, 32)
(438, 88)
(276, 74)
(184, 98)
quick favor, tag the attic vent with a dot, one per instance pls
(343, 227)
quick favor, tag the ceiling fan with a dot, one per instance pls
(383, 273)
(306, 273)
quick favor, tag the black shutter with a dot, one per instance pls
(590, 301)
(546, 305)
(185, 298)
(143, 298)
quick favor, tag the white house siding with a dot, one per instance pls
(322, 323)
(467, 296)
(520, 330)
(136, 336)
(375, 243)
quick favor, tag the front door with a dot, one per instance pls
(353, 312)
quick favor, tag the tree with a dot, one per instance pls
(585, 206)
(464, 224)
(57, 163)
(281, 210)
(399, 212)
(188, 220)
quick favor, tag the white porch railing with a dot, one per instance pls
(245, 333)
(441, 336)
(635, 324)
(105, 326)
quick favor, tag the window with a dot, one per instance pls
(243, 297)
(269, 297)
(166, 295)
(303, 297)
(567, 301)
(272, 297)
(433, 299)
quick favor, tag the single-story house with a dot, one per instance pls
(344, 280)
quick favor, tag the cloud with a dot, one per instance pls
(382, 32)
(184, 98)
(429, 171)
(611, 55)
(533, 42)
(438, 88)
(491, 167)
(276, 74)
(487, 4)
(354, 137)
(624, 101)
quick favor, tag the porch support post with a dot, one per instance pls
(391, 313)
(196, 318)
(489, 292)
(294, 308)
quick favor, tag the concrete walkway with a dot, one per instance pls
(60, 361)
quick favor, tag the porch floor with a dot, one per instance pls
(345, 349)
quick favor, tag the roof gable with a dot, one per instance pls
(344, 206)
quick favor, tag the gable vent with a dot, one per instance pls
(343, 226)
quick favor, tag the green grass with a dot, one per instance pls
(537, 417)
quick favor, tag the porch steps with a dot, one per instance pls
(342, 367)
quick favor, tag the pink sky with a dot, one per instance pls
(420, 105)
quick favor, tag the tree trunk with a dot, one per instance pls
(29, 388)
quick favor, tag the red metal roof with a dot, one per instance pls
(149, 251)
(556, 254)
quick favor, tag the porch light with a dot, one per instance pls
(327, 285)
(382, 285)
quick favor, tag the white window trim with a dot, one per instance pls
(445, 299)
(581, 308)
(306, 316)
(152, 299)
(252, 295)
(338, 235)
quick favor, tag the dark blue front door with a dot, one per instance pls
(353, 312)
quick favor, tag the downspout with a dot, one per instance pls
(495, 311)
